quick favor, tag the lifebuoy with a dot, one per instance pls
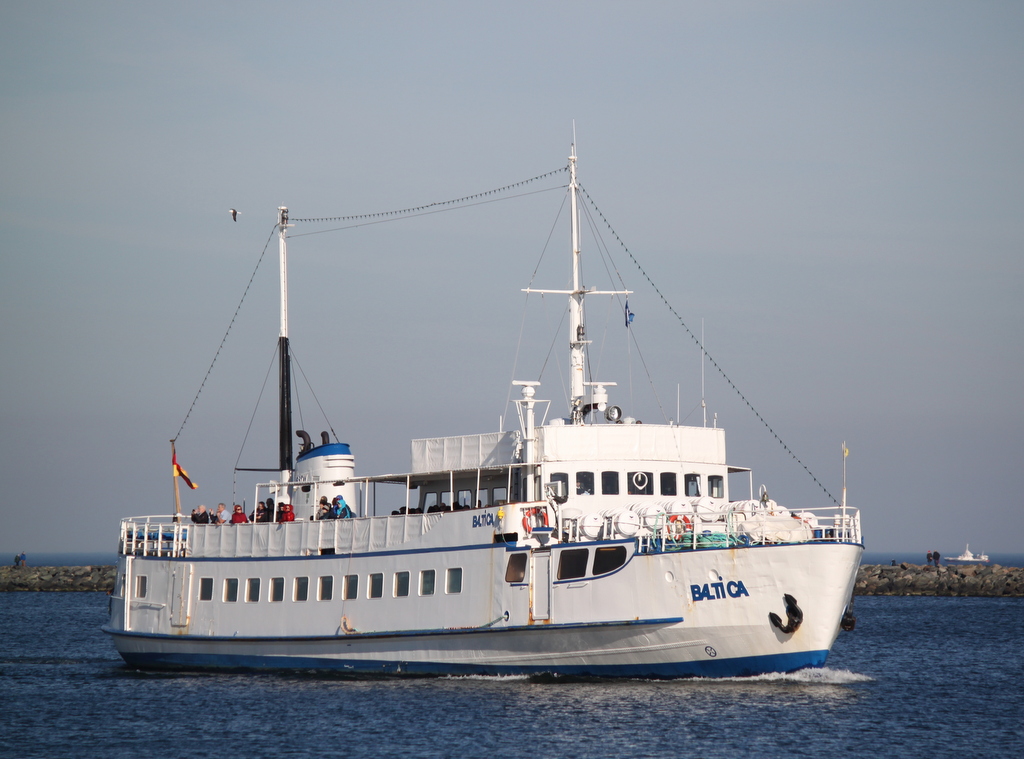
(534, 512)
(680, 523)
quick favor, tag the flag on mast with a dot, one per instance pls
(629, 315)
(178, 471)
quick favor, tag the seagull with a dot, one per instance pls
(234, 214)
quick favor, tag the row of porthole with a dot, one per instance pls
(325, 586)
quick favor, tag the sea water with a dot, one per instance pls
(919, 677)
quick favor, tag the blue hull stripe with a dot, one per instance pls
(404, 634)
(739, 667)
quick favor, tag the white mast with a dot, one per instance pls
(577, 355)
(577, 331)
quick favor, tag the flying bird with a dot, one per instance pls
(234, 215)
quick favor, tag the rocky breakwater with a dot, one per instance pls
(920, 580)
(95, 578)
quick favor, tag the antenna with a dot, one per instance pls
(703, 353)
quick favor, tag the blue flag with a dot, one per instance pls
(629, 315)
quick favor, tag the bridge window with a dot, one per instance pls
(584, 483)
(609, 483)
(427, 582)
(350, 588)
(716, 486)
(231, 590)
(376, 585)
(500, 496)
(453, 581)
(608, 559)
(401, 584)
(515, 571)
(640, 483)
(301, 588)
(572, 563)
(692, 482)
(252, 590)
(668, 483)
(141, 586)
(326, 588)
(205, 588)
(276, 588)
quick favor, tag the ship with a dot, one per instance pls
(582, 545)
(968, 558)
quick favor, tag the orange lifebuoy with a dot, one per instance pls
(685, 520)
(534, 512)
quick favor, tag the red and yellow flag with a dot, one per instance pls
(179, 472)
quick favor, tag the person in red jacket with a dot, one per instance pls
(286, 514)
(238, 516)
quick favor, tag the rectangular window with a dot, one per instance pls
(231, 590)
(427, 582)
(453, 583)
(668, 483)
(326, 588)
(466, 499)
(692, 483)
(301, 588)
(584, 483)
(276, 588)
(500, 496)
(640, 483)
(376, 588)
(429, 500)
(608, 559)
(515, 571)
(716, 486)
(572, 563)
(141, 586)
(609, 483)
(351, 589)
(252, 590)
(205, 588)
(401, 584)
(483, 497)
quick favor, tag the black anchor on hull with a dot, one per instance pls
(794, 616)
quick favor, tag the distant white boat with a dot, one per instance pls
(969, 558)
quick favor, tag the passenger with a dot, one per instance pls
(238, 516)
(286, 514)
(340, 509)
(260, 514)
(324, 509)
(221, 516)
(201, 515)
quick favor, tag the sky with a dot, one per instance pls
(831, 192)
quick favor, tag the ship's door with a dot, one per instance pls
(540, 585)
(181, 594)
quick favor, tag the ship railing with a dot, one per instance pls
(154, 536)
(162, 536)
(738, 529)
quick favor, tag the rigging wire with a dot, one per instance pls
(707, 355)
(312, 392)
(426, 208)
(245, 438)
(226, 333)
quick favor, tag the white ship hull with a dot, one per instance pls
(642, 620)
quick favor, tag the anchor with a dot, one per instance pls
(794, 616)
